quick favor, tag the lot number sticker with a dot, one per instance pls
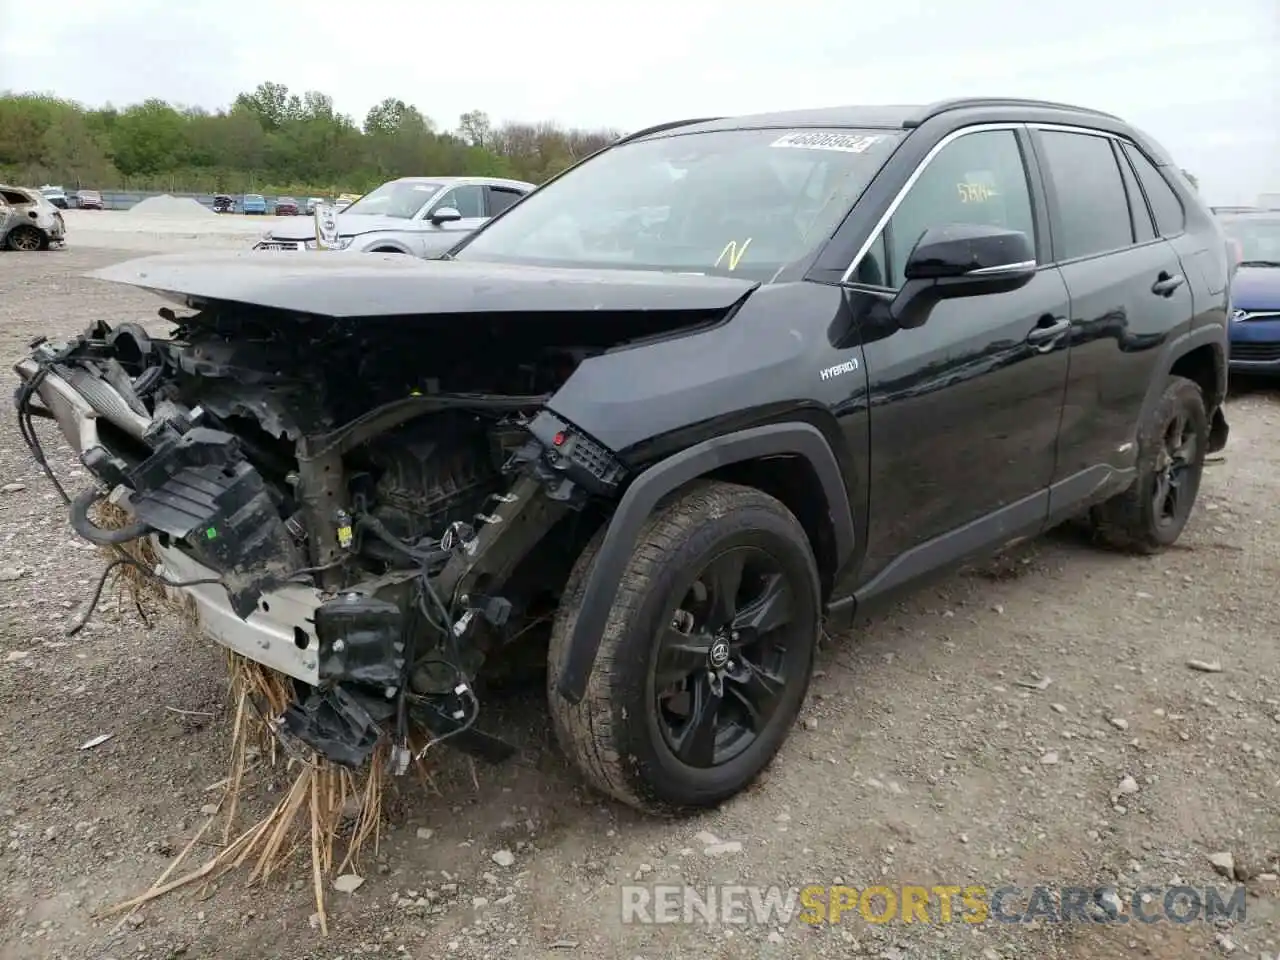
(841, 142)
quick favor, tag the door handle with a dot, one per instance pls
(1166, 284)
(1048, 329)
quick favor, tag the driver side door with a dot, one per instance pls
(435, 238)
(965, 409)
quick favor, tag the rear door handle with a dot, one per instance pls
(1049, 329)
(1166, 284)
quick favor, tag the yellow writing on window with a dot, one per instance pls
(976, 192)
(733, 252)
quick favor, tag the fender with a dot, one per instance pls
(643, 494)
(384, 246)
(1210, 334)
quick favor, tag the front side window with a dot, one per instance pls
(399, 199)
(977, 179)
(1093, 210)
(740, 202)
(468, 200)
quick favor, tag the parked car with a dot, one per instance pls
(345, 200)
(1254, 240)
(286, 207)
(253, 203)
(29, 220)
(312, 203)
(89, 200)
(222, 203)
(862, 345)
(56, 196)
(420, 216)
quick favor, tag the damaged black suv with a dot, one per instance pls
(718, 383)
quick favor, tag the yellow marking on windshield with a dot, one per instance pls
(975, 192)
(734, 253)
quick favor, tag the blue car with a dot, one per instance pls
(1255, 291)
(254, 203)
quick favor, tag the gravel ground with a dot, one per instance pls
(1033, 720)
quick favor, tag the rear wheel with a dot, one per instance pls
(1172, 443)
(706, 655)
(25, 239)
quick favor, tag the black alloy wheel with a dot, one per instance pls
(722, 663)
(1177, 464)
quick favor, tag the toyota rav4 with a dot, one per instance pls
(819, 356)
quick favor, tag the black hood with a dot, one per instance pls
(342, 284)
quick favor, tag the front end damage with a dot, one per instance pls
(374, 506)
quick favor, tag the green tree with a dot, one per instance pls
(267, 139)
(148, 139)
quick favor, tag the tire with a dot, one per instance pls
(25, 238)
(620, 735)
(1132, 521)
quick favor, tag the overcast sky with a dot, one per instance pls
(1202, 77)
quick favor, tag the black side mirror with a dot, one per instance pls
(445, 215)
(961, 260)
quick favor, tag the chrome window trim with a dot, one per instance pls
(1003, 268)
(938, 148)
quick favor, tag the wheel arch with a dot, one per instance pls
(765, 457)
(1200, 355)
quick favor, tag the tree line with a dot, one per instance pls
(268, 141)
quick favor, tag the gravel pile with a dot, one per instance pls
(167, 206)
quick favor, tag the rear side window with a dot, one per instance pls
(500, 198)
(1143, 230)
(1170, 217)
(1093, 210)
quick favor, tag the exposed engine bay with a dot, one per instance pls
(397, 480)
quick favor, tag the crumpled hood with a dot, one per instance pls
(1256, 288)
(349, 225)
(343, 284)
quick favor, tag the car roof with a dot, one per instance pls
(453, 181)
(961, 111)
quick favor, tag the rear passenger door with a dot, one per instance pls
(1128, 296)
(964, 409)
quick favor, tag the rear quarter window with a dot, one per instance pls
(1171, 218)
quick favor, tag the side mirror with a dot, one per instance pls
(445, 215)
(961, 260)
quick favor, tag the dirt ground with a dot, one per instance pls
(930, 752)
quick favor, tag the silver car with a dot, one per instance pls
(28, 221)
(420, 216)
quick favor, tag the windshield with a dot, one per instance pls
(398, 199)
(746, 202)
(1255, 240)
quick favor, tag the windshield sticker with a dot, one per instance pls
(841, 142)
(733, 252)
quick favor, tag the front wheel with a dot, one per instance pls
(706, 655)
(1172, 443)
(25, 239)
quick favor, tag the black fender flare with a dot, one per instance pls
(658, 480)
(1210, 334)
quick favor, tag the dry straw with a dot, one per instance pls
(327, 810)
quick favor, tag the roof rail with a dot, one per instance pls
(660, 127)
(961, 103)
